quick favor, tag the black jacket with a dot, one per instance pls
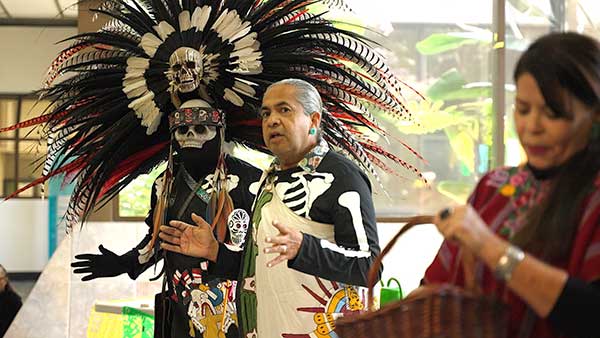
(10, 303)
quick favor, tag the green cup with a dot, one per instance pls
(389, 293)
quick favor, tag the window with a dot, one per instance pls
(133, 202)
(21, 151)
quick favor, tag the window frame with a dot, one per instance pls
(16, 138)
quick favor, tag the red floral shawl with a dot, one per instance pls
(501, 199)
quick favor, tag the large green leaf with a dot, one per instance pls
(452, 86)
(451, 81)
(442, 42)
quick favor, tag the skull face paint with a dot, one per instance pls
(194, 136)
(238, 222)
(185, 69)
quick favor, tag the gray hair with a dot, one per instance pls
(306, 94)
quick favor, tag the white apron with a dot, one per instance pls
(292, 303)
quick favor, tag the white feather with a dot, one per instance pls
(152, 121)
(134, 89)
(134, 74)
(150, 43)
(135, 104)
(230, 24)
(244, 88)
(220, 19)
(200, 17)
(136, 92)
(246, 55)
(232, 97)
(246, 41)
(243, 30)
(184, 21)
(144, 109)
(164, 29)
(135, 62)
(248, 69)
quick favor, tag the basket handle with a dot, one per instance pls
(394, 280)
(374, 270)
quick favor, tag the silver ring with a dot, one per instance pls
(445, 213)
(283, 248)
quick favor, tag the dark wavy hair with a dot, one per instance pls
(563, 63)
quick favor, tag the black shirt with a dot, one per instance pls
(327, 189)
(10, 303)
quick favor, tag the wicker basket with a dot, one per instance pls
(441, 311)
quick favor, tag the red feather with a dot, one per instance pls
(32, 122)
(296, 16)
(129, 165)
(73, 166)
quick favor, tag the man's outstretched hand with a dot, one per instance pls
(196, 241)
(106, 264)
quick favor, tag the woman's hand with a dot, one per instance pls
(287, 244)
(189, 240)
(463, 225)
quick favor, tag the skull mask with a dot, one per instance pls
(186, 69)
(238, 222)
(194, 136)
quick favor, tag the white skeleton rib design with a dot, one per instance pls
(300, 194)
(232, 183)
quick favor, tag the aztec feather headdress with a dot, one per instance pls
(108, 121)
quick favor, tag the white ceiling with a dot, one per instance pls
(38, 9)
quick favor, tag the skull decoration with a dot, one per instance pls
(238, 222)
(201, 306)
(194, 136)
(195, 123)
(185, 69)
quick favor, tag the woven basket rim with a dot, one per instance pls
(445, 291)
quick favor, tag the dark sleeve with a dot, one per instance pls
(227, 265)
(130, 260)
(247, 174)
(576, 312)
(356, 246)
(16, 304)
(10, 303)
(228, 262)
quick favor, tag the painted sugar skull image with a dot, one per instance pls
(238, 222)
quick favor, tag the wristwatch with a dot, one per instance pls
(508, 262)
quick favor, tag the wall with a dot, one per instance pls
(411, 255)
(24, 234)
(26, 53)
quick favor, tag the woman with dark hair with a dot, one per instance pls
(530, 235)
(10, 302)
